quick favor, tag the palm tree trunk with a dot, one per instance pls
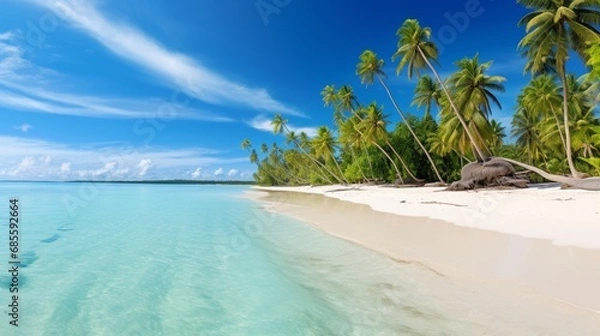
(574, 171)
(364, 146)
(294, 177)
(402, 161)
(437, 173)
(391, 160)
(562, 137)
(451, 101)
(592, 183)
(277, 179)
(339, 168)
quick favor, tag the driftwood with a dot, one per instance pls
(591, 183)
(409, 182)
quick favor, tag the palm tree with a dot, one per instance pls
(347, 99)
(542, 94)
(246, 144)
(498, 134)
(427, 93)
(369, 68)
(594, 63)
(526, 131)
(474, 87)
(352, 138)
(594, 58)
(584, 124)
(264, 148)
(331, 98)
(280, 125)
(324, 145)
(473, 92)
(344, 100)
(349, 102)
(553, 28)
(253, 157)
(374, 128)
(417, 51)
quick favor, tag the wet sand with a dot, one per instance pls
(534, 271)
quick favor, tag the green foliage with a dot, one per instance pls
(364, 147)
(594, 60)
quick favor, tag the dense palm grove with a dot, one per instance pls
(555, 126)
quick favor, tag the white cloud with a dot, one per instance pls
(23, 128)
(218, 172)
(24, 158)
(6, 36)
(173, 67)
(108, 167)
(262, 123)
(26, 164)
(65, 167)
(17, 91)
(144, 165)
(196, 173)
(232, 172)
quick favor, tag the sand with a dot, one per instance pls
(542, 241)
(565, 217)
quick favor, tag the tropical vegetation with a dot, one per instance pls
(555, 129)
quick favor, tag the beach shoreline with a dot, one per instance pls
(542, 263)
(564, 217)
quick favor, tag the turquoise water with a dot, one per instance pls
(116, 259)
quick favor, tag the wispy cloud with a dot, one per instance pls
(6, 36)
(25, 158)
(23, 128)
(262, 123)
(176, 69)
(17, 92)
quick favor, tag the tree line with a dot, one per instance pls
(555, 126)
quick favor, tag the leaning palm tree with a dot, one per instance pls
(553, 28)
(473, 89)
(344, 100)
(417, 52)
(331, 98)
(352, 138)
(324, 146)
(374, 128)
(369, 68)
(280, 126)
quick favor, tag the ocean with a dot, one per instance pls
(137, 259)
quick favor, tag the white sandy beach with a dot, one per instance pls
(542, 240)
(565, 217)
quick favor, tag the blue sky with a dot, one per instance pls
(143, 89)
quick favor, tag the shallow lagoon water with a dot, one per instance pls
(133, 259)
